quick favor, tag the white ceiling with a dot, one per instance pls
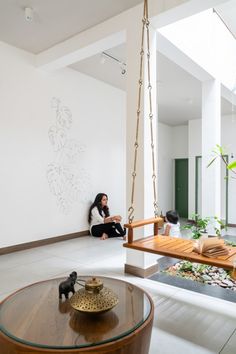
(179, 94)
(54, 20)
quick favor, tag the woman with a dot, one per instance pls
(101, 223)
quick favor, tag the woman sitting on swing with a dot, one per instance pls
(101, 223)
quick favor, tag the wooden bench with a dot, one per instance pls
(174, 247)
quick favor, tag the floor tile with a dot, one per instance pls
(188, 322)
(193, 323)
(14, 259)
(163, 342)
(207, 302)
(230, 346)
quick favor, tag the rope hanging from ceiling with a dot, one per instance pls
(145, 29)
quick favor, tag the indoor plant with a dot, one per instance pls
(220, 152)
(221, 226)
(197, 225)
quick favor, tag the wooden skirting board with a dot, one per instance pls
(38, 243)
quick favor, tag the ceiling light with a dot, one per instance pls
(118, 61)
(29, 15)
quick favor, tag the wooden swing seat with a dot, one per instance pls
(174, 247)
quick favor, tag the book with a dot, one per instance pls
(211, 247)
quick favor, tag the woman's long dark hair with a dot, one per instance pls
(98, 203)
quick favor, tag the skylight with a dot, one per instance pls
(206, 40)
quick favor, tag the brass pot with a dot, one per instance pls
(94, 298)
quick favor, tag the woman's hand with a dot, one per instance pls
(116, 218)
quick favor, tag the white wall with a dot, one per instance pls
(165, 168)
(172, 144)
(228, 126)
(194, 149)
(180, 142)
(179, 150)
(93, 162)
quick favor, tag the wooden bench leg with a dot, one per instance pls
(130, 236)
(155, 229)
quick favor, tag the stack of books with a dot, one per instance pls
(211, 247)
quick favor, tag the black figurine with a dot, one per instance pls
(67, 285)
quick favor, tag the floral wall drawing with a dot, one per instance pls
(68, 181)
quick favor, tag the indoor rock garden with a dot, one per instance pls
(202, 273)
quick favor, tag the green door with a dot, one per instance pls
(181, 187)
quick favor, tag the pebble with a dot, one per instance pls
(228, 283)
(206, 277)
(210, 275)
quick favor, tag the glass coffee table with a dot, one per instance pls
(34, 320)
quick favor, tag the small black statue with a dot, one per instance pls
(67, 285)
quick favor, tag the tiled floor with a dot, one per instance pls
(185, 322)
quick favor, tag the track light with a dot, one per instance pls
(119, 62)
(123, 69)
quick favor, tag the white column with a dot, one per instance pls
(143, 199)
(211, 135)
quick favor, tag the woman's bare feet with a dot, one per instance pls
(104, 237)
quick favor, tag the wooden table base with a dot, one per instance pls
(135, 343)
(35, 315)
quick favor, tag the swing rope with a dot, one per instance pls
(145, 25)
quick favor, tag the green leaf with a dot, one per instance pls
(220, 149)
(211, 162)
(231, 165)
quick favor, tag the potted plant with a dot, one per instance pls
(198, 226)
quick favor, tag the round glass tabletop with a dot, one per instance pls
(37, 317)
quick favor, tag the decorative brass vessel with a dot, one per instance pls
(94, 298)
